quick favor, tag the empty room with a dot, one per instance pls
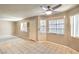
(39, 28)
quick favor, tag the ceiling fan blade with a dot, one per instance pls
(57, 6)
(55, 12)
(44, 8)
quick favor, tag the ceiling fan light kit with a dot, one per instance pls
(50, 10)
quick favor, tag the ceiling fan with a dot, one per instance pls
(49, 10)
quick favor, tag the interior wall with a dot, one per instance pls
(19, 33)
(31, 33)
(33, 27)
(41, 36)
(73, 42)
(65, 39)
(59, 39)
(7, 28)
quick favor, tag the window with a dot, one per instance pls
(23, 27)
(75, 25)
(56, 26)
(42, 26)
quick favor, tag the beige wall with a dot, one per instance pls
(19, 33)
(73, 42)
(31, 33)
(59, 39)
(41, 36)
(7, 28)
(65, 39)
(33, 24)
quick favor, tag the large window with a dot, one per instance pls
(23, 27)
(56, 26)
(42, 26)
(75, 25)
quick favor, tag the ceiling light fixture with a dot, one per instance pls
(48, 12)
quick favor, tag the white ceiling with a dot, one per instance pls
(15, 12)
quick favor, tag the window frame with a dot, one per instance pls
(42, 26)
(57, 27)
(72, 26)
(23, 27)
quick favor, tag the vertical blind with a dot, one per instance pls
(75, 25)
(43, 26)
(23, 27)
(56, 26)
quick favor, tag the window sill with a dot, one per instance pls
(23, 32)
(56, 34)
(74, 37)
